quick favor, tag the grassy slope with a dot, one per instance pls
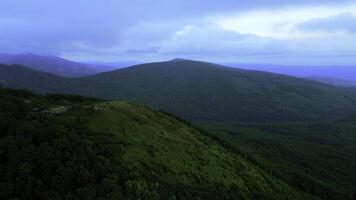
(84, 149)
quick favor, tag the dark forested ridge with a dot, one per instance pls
(203, 92)
(16, 76)
(71, 147)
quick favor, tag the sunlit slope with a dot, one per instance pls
(159, 149)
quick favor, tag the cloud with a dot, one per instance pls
(345, 22)
(211, 41)
(281, 23)
(143, 30)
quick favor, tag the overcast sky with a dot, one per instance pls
(320, 32)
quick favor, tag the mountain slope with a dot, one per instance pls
(58, 147)
(201, 91)
(16, 76)
(316, 157)
(204, 92)
(50, 64)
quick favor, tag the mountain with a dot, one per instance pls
(333, 81)
(16, 76)
(71, 147)
(110, 66)
(102, 67)
(206, 92)
(344, 75)
(200, 91)
(50, 64)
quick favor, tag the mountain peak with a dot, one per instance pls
(179, 60)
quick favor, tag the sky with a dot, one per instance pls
(303, 32)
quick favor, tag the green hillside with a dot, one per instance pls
(318, 157)
(205, 92)
(70, 147)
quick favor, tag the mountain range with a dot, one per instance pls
(200, 91)
(333, 75)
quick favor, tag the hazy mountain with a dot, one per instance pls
(51, 64)
(333, 81)
(200, 91)
(109, 66)
(345, 74)
(101, 67)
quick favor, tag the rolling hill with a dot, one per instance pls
(205, 92)
(50, 64)
(70, 147)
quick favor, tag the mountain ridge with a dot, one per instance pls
(201, 91)
(48, 63)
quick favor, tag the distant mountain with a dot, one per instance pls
(201, 91)
(204, 92)
(16, 76)
(50, 64)
(333, 81)
(101, 67)
(109, 66)
(329, 74)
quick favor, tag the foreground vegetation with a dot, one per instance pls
(318, 158)
(70, 147)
